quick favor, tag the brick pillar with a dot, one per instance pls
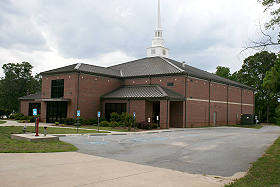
(164, 114)
(43, 112)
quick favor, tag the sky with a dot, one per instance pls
(54, 33)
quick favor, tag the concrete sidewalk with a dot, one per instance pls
(77, 169)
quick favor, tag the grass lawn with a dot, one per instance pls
(120, 129)
(7, 145)
(2, 122)
(53, 130)
(265, 171)
(258, 126)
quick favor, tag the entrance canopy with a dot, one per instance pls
(144, 92)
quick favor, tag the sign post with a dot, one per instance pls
(98, 115)
(157, 121)
(134, 116)
(78, 118)
(35, 113)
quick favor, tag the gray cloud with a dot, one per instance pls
(205, 34)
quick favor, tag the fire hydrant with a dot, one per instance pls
(45, 131)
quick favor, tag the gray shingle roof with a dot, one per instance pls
(152, 66)
(143, 92)
(31, 96)
(147, 66)
(85, 68)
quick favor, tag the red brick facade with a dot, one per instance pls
(207, 103)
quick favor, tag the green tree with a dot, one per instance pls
(252, 73)
(17, 82)
(223, 72)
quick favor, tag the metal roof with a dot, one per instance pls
(151, 66)
(31, 96)
(143, 92)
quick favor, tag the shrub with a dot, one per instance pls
(104, 124)
(69, 121)
(31, 119)
(277, 115)
(62, 121)
(146, 125)
(102, 119)
(17, 116)
(24, 118)
(114, 124)
(93, 121)
(114, 117)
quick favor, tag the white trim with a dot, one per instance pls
(222, 102)
(172, 64)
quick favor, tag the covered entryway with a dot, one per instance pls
(56, 111)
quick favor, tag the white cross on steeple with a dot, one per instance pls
(158, 48)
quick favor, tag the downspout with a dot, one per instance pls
(186, 114)
(78, 91)
(167, 114)
(209, 100)
(227, 106)
(241, 101)
(150, 79)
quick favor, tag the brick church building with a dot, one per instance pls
(181, 95)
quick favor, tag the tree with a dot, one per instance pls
(17, 82)
(272, 83)
(223, 72)
(252, 73)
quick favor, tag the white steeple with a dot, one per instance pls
(158, 48)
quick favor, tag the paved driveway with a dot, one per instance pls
(222, 151)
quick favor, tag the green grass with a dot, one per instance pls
(102, 128)
(2, 122)
(53, 130)
(7, 145)
(258, 126)
(265, 171)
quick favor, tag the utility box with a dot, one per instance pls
(247, 119)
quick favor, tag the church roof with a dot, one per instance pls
(150, 66)
(31, 96)
(143, 91)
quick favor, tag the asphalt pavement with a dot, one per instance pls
(221, 151)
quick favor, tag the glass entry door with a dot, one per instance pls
(56, 111)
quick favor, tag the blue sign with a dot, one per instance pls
(134, 114)
(78, 113)
(35, 112)
(98, 114)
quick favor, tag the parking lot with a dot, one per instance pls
(221, 151)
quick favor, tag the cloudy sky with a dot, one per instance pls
(54, 33)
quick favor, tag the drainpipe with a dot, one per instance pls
(209, 100)
(186, 90)
(167, 114)
(78, 91)
(150, 79)
(227, 106)
(241, 100)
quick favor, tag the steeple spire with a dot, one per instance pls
(158, 48)
(158, 17)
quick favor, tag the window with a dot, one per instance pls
(57, 88)
(153, 51)
(170, 84)
(114, 107)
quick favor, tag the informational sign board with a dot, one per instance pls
(134, 114)
(35, 113)
(78, 113)
(149, 120)
(98, 114)
(157, 118)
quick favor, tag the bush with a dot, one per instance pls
(114, 124)
(69, 121)
(31, 119)
(277, 115)
(24, 118)
(5, 112)
(114, 117)
(17, 116)
(93, 121)
(146, 125)
(102, 119)
(104, 124)
(62, 121)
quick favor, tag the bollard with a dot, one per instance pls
(45, 131)
(24, 129)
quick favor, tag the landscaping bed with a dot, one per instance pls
(265, 171)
